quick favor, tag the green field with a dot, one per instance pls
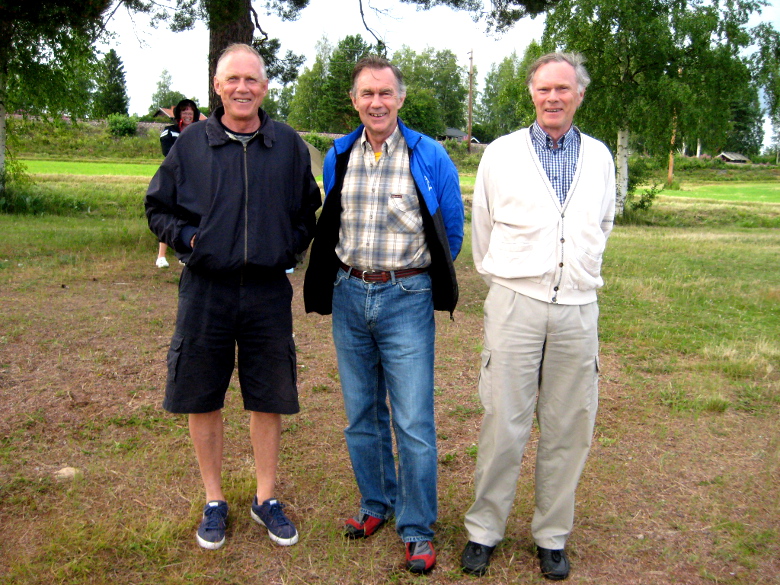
(760, 192)
(60, 167)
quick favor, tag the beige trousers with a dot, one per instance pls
(541, 355)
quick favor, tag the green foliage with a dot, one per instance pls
(321, 143)
(422, 112)
(505, 104)
(436, 72)
(746, 133)
(467, 162)
(46, 55)
(122, 125)
(659, 68)
(164, 96)
(277, 103)
(111, 94)
(321, 102)
(306, 108)
(640, 173)
(340, 115)
(70, 140)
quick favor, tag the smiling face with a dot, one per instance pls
(556, 96)
(187, 115)
(242, 85)
(377, 99)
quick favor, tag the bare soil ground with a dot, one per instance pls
(665, 498)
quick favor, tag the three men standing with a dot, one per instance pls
(238, 205)
(543, 209)
(382, 262)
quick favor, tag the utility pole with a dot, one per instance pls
(471, 93)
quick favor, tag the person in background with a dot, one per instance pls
(186, 112)
(544, 202)
(390, 228)
(236, 199)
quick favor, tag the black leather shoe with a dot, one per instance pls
(476, 558)
(554, 563)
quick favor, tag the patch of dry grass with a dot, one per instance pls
(672, 493)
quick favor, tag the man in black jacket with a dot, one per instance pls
(236, 200)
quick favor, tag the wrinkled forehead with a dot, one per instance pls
(376, 79)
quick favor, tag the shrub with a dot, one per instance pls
(121, 125)
(320, 142)
(640, 172)
(26, 199)
(467, 162)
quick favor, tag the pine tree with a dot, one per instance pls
(111, 94)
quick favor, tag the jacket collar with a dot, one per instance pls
(215, 131)
(343, 144)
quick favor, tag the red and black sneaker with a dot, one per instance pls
(363, 526)
(420, 556)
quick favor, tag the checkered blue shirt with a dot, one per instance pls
(559, 163)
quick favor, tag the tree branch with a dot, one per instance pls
(363, 18)
(257, 23)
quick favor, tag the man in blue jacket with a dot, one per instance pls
(236, 199)
(390, 228)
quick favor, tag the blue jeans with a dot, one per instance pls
(384, 336)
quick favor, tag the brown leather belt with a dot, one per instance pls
(382, 275)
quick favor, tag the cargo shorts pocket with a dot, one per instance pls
(174, 353)
(486, 383)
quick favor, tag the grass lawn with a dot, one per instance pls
(682, 485)
(768, 192)
(61, 167)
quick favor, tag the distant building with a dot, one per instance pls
(455, 134)
(733, 157)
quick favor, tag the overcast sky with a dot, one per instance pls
(146, 52)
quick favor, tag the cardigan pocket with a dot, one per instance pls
(586, 270)
(519, 260)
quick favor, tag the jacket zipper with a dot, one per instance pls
(246, 213)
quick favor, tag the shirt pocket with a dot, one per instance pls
(403, 213)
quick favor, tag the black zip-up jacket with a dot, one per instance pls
(252, 207)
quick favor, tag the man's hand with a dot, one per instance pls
(192, 241)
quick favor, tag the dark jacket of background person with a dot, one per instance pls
(440, 206)
(170, 133)
(251, 207)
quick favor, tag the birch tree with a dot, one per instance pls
(658, 67)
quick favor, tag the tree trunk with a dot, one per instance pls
(3, 90)
(670, 173)
(698, 148)
(622, 170)
(229, 22)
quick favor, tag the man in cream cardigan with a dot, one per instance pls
(544, 202)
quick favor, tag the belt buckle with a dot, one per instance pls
(363, 275)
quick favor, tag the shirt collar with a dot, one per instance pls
(389, 145)
(545, 140)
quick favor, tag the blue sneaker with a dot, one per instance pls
(271, 515)
(211, 532)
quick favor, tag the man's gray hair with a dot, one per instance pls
(377, 62)
(576, 60)
(239, 48)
